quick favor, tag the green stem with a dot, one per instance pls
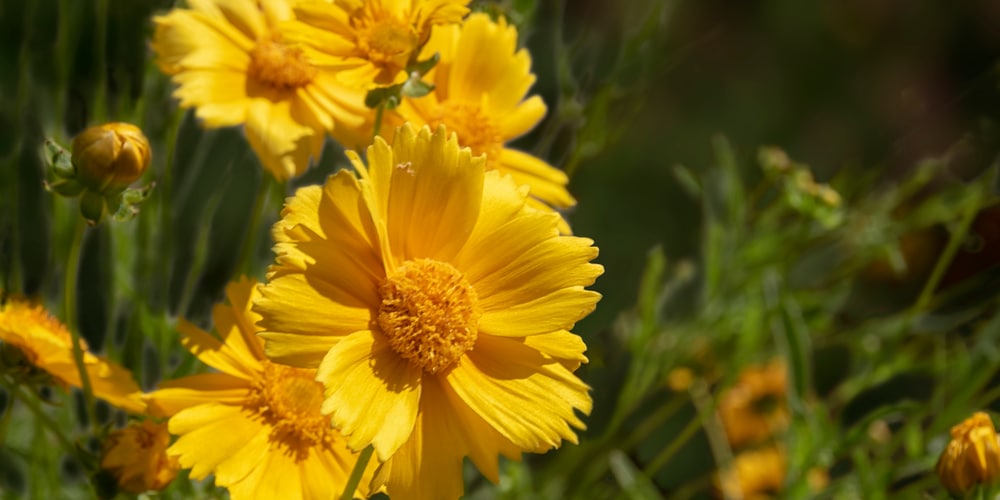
(359, 470)
(69, 304)
(657, 463)
(18, 394)
(260, 204)
(717, 441)
(947, 256)
(378, 120)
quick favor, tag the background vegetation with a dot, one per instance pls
(718, 255)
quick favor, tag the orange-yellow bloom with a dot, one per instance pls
(233, 65)
(109, 157)
(47, 344)
(255, 424)
(481, 88)
(972, 457)
(437, 306)
(136, 456)
(755, 407)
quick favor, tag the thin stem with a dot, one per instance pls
(657, 463)
(378, 120)
(716, 435)
(947, 256)
(69, 304)
(17, 394)
(359, 470)
(260, 204)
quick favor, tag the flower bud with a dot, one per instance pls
(972, 457)
(109, 157)
(137, 457)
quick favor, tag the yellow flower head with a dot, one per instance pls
(109, 157)
(754, 474)
(47, 344)
(972, 457)
(370, 41)
(755, 407)
(233, 64)
(137, 457)
(255, 424)
(437, 306)
(480, 87)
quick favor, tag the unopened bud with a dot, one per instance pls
(109, 157)
(972, 457)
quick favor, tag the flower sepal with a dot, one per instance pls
(104, 160)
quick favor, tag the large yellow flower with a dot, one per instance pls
(234, 66)
(480, 87)
(437, 306)
(257, 425)
(47, 344)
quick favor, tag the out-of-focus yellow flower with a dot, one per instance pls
(255, 424)
(234, 65)
(109, 157)
(972, 457)
(137, 457)
(755, 408)
(754, 474)
(370, 41)
(47, 344)
(437, 306)
(481, 87)
(680, 379)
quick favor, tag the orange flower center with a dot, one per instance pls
(475, 129)
(279, 66)
(430, 313)
(289, 399)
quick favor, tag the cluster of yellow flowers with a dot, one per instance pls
(419, 308)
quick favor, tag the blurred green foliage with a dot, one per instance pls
(882, 303)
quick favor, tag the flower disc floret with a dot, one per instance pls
(279, 66)
(430, 314)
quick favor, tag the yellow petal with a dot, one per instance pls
(214, 353)
(281, 143)
(522, 118)
(527, 397)
(547, 182)
(372, 394)
(435, 194)
(559, 310)
(551, 265)
(429, 465)
(248, 458)
(563, 346)
(487, 61)
(224, 426)
(211, 92)
(176, 395)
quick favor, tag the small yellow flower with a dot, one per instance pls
(755, 408)
(136, 456)
(255, 424)
(754, 474)
(233, 64)
(109, 157)
(437, 306)
(481, 88)
(47, 344)
(972, 457)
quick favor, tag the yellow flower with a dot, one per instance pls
(233, 64)
(256, 425)
(109, 157)
(972, 456)
(754, 474)
(136, 456)
(755, 408)
(437, 306)
(47, 344)
(480, 88)
(370, 41)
